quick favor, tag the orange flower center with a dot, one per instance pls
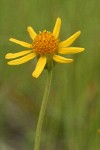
(45, 43)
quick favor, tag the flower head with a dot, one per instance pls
(46, 47)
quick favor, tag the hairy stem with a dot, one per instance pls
(42, 110)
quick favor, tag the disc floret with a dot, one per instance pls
(45, 43)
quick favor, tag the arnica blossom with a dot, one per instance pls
(45, 46)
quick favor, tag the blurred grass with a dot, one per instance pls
(73, 112)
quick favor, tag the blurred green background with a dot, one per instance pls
(72, 116)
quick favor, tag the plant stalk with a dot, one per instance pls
(42, 110)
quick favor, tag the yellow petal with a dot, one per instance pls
(70, 40)
(31, 32)
(56, 29)
(70, 50)
(15, 55)
(39, 67)
(24, 44)
(22, 60)
(61, 59)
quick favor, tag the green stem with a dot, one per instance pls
(42, 110)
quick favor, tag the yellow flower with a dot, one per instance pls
(46, 47)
